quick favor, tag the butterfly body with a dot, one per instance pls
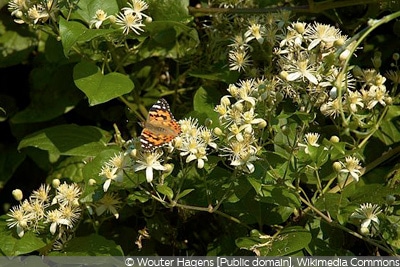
(160, 127)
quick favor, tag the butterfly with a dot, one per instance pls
(160, 127)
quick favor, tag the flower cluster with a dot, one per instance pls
(310, 61)
(60, 211)
(129, 18)
(113, 170)
(242, 126)
(32, 12)
(194, 141)
(367, 215)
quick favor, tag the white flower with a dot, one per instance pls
(352, 167)
(20, 219)
(368, 216)
(310, 139)
(302, 69)
(130, 21)
(41, 195)
(110, 174)
(255, 31)
(149, 161)
(99, 18)
(55, 217)
(238, 59)
(136, 8)
(67, 194)
(109, 203)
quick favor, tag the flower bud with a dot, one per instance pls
(262, 124)
(396, 56)
(225, 101)
(55, 183)
(283, 74)
(168, 168)
(334, 139)
(337, 166)
(218, 131)
(92, 182)
(344, 55)
(17, 194)
(364, 230)
(112, 19)
(299, 27)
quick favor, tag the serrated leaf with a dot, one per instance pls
(69, 140)
(100, 88)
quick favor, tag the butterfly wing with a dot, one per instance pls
(160, 127)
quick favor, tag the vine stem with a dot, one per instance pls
(208, 209)
(312, 8)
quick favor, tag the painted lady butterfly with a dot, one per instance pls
(160, 127)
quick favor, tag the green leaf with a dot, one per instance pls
(165, 190)
(169, 39)
(69, 140)
(53, 94)
(73, 32)
(100, 88)
(10, 159)
(86, 9)
(16, 42)
(70, 168)
(169, 10)
(218, 72)
(332, 203)
(184, 193)
(204, 103)
(389, 131)
(12, 245)
(91, 245)
(289, 241)
(140, 196)
(275, 194)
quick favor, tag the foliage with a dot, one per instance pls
(287, 142)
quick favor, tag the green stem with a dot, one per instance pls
(311, 8)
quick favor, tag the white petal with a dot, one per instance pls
(149, 174)
(106, 185)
